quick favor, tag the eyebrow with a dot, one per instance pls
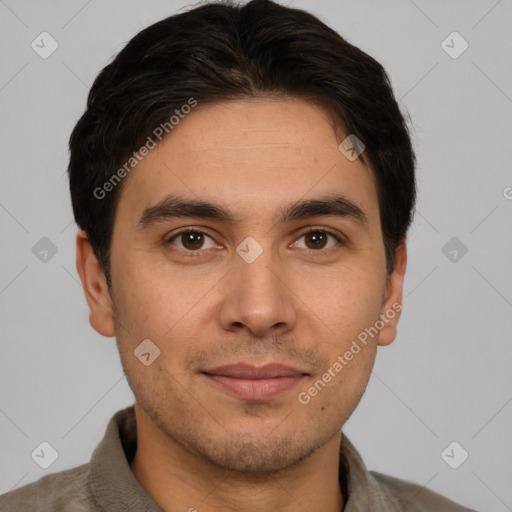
(174, 206)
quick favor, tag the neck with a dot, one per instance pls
(179, 480)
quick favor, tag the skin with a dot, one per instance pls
(199, 447)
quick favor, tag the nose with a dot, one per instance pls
(258, 299)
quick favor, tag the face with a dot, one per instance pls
(284, 266)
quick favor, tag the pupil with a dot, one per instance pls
(316, 238)
(193, 239)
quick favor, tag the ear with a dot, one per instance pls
(91, 274)
(392, 306)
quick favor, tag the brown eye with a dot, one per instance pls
(318, 239)
(191, 240)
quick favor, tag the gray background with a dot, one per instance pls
(446, 377)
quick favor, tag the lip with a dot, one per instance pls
(255, 383)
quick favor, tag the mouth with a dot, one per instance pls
(255, 384)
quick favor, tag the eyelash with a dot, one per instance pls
(199, 231)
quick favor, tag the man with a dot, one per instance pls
(243, 181)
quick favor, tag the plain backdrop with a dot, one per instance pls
(447, 376)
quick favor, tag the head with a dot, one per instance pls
(220, 220)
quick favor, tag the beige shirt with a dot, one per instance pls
(106, 483)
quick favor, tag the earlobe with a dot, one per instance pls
(392, 306)
(95, 286)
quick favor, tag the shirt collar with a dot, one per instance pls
(110, 477)
(364, 491)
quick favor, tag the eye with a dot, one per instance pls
(192, 240)
(318, 239)
(195, 240)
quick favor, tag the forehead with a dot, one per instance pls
(252, 155)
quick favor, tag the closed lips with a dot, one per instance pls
(243, 371)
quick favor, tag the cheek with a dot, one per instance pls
(162, 312)
(356, 275)
(351, 312)
(346, 304)
(150, 304)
